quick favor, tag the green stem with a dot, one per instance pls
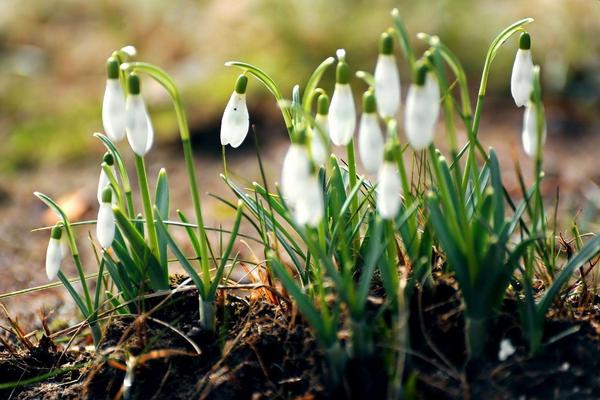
(352, 184)
(476, 336)
(140, 167)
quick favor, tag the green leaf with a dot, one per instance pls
(313, 82)
(162, 208)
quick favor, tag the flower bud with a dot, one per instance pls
(530, 131)
(521, 80)
(140, 133)
(103, 180)
(54, 253)
(387, 78)
(105, 224)
(389, 189)
(113, 104)
(422, 109)
(295, 169)
(236, 121)
(370, 136)
(309, 208)
(342, 113)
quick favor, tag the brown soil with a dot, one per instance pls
(265, 351)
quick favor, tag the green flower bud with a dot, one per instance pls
(108, 159)
(525, 41)
(56, 232)
(112, 68)
(133, 84)
(241, 83)
(323, 104)
(369, 102)
(386, 44)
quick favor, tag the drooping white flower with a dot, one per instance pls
(320, 140)
(105, 223)
(236, 120)
(370, 137)
(342, 113)
(530, 131)
(389, 187)
(103, 180)
(140, 133)
(422, 110)
(521, 80)
(309, 208)
(54, 253)
(113, 104)
(387, 78)
(295, 170)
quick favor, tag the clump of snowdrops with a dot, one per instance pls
(335, 221)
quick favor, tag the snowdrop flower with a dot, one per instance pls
(387, 79)
(388, 186)
(113, 105)
(318, 143)
(296, 169)
(103, 181)
(370, 137)
(105, 224)
(140, 133)
(342, 114)
(521, 80)
(506, 350)
(530, 132)
(236, 121)
(309, 209)
(54, 253)
(422, 109)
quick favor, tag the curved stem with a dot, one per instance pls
(140, 167)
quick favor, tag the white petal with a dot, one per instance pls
(309, 208)
(113, 110)
(296, 168)
(53, 258)
(318, 148)
(432, 88)
(139, 126)
(529, 134)
(64, 245)
(102, 183)
(105, 225)
(342, 115)
(370, 142)
(420, 118)
(236, 121)
(387, 85)
(521, 80)
(388, 191)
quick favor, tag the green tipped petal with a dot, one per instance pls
(369, 105)
(323, 104)
(342, 73)
(421, 74)
(56, 232)
(112, 68)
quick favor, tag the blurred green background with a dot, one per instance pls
(52, 56)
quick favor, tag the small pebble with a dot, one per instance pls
(506, 350)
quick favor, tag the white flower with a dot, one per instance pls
(342, 113)
(318, 147)
(521, 80)
(370, 137)
(295, 170)
(113, 110)
(236, 120)
(140, 133)
(54, 253)
(387, 86)
(506, 350)
(388, 191)
(309, 209)
(422, 111)
(529, 134)
(105, 223)
(103, 182)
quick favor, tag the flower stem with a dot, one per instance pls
(140, 167)
(352, 184)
